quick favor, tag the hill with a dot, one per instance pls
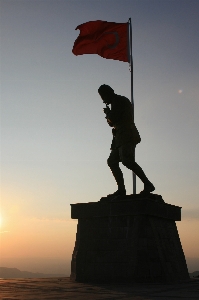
(16, 273)
(194, 274)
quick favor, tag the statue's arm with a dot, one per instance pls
(115, 113)
(107, 111)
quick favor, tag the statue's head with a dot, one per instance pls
(106, 93)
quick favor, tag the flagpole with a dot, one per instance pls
(132, 100)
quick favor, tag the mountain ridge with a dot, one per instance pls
(7, 273)
(16, 273)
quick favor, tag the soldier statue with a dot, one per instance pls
(125, 138)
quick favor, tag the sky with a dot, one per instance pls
(54, 138)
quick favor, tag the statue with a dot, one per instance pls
(125, 138)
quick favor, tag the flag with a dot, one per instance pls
(107, 39)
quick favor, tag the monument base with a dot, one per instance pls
(134, 239)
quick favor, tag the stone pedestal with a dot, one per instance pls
(134, 239)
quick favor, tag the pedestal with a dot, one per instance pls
(134, 239)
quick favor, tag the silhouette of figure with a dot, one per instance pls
(125, 138)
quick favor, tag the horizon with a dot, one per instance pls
(33, 265)
(54, 138)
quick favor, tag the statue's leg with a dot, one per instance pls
(113, 163)
(127, 156)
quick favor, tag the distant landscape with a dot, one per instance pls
(16, 273)
(7, 273)
(194, 274)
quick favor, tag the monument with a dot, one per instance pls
(134, 239)
(124, 238)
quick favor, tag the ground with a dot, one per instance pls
(63, 288)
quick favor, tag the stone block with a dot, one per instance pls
(131, 240)
(134, 206)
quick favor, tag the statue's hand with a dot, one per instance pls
(114, 131)
(106, 110)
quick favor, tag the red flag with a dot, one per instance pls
(107, 39)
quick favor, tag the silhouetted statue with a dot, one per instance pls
(125, 138)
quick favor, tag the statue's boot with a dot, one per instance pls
(148, 186)
(118, 193)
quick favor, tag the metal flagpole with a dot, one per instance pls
(132, 100)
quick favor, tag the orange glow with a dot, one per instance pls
(35, 238)
(189, 236)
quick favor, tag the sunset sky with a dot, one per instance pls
(54, 138)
